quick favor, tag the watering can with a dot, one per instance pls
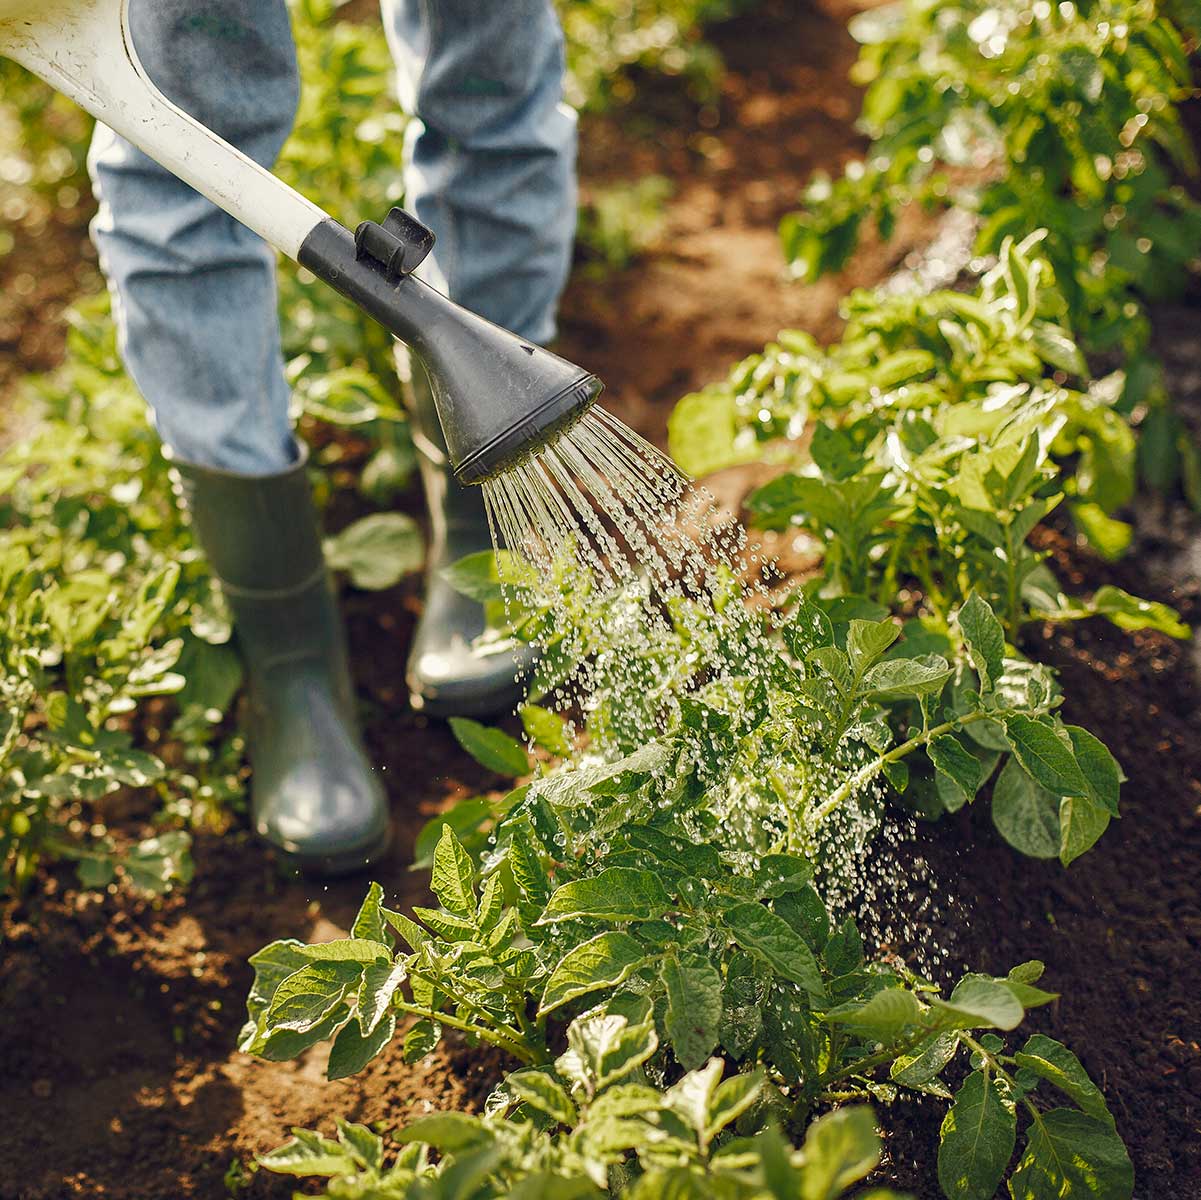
(498, 397)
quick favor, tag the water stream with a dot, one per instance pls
(654, 594)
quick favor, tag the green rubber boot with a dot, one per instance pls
(447, 675)
(314, 795)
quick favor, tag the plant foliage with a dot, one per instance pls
(1036, 115)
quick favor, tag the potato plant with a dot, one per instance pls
(626, 981)
(1057, 116)
(941, 430)
(1064, 117)
(75, 657)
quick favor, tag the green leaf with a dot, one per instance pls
(956, 763)
(690, 1097)
(155, 863)
(272, 965)
(491, 748)
(308, 1153)
(92, 872)
(421, 1039)
(445, 1131)
(1055, 346)
(604, 1048)
(867, 640)
(212, 675)
(701, 432)
(1082, 820)
(369, 923)
(921, 1067)
(1100, 768)
(1070, 1156)
(603, 961)
(898, 678)
(283, 1045)
(984, 637)
(694, 1008)
(453, 876)
(352, 950)
(487, 575)
(545, 1093)
(978, 1002)
(377, 551)
(807, 629)
(1021, 980)
(1056, 1064)
(628, 774)
(731, 1098)
(413, 935)
(1109, 537)
(466, 818)
(884, 1016)
(366, 1147)
(1025, 814)
(977, 1140)
(306, 996)
(1129, 612)
(1047, 756)
(779, 874)
(546, 729)
(626, 1100)
(380, 981)
(772, 939)
(840, 1149)
(351, 1051)
(616, 894)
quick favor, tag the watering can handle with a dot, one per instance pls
(83, 48)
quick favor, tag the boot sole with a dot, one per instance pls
(345, 862)
(483, 706)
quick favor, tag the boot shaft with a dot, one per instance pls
(261, 537)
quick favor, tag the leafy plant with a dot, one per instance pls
(606, 38)
(1061, 117)
(76, 656)
(667, 953)
(593, 1124)
(619, 221)
(935, 432)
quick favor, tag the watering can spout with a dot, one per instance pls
(498, 397)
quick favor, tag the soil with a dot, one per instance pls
(118, 1015)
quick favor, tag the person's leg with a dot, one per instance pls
(491, 162)
(491, 170)
(194, 291)
(194, 294)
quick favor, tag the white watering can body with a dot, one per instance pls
(83, 49)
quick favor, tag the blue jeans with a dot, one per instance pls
(490, 168)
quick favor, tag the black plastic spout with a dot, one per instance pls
(499, 397)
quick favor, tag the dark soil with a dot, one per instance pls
(118, 1016)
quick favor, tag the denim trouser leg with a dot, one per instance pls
(491, 153)
(194, 291)
(491, 170)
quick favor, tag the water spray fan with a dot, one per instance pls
(499, 398)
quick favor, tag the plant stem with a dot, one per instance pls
(515, 1048)
(867, 773)
(506, 1031)
(878, 1059)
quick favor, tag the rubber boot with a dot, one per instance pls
(313, 792)
(447, 675)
